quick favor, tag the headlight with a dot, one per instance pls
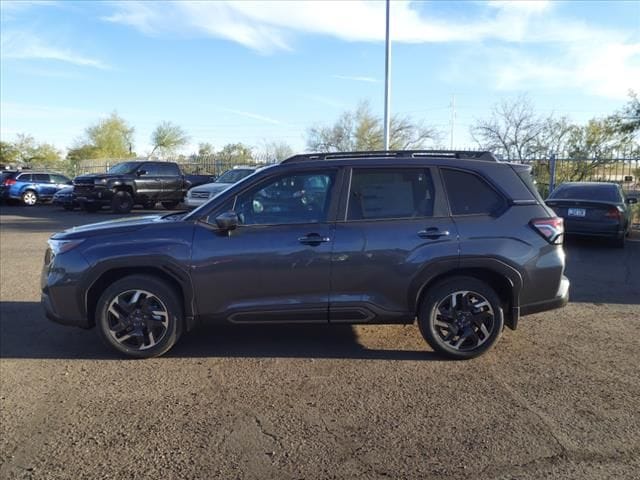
(60, 246)
(100, 181)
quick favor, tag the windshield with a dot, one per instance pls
(605, 193)
(232, 176)
(125, 167)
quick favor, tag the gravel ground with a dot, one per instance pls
(558, 398)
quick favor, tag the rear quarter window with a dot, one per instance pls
(469, 194)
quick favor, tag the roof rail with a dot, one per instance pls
(460, 154)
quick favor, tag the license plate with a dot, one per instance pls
(577, 212)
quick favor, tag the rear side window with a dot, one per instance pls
(41, 178)
(168, 170)
(25, 177)
(390, 193)
(469, 194)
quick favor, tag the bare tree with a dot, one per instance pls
(513, 129)
(362, 130)
(167, 138)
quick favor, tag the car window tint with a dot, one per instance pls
(469, 194)
(24, 177)
(168, 169)
(152, 169)
(390, 193)
(59, 179)
(40, 178)
(606, 193)
(299, 198)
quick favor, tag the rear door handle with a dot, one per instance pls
(313, 239)
(433, 233)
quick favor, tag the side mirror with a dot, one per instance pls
(227, 221)
(141, 172)
(632, 200)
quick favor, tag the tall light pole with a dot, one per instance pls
(387, 82)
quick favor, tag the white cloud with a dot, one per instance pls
(254, 116)
(24, 45)
(356, 78)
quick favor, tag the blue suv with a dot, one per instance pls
(32, 187)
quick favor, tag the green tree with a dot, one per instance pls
(111, 137)
(167, 138)
(26, 151)
(236, 153)
(362, 130)
(8, 153)
(205, 149)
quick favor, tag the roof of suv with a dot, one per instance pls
(390, 154)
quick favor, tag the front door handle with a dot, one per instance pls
(313, 239)
(433, 233)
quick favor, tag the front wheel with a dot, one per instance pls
(140, 316)
(29, 198)
(122, 202)
(461, 317)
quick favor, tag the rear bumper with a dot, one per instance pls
(559, 301)
(592, 228)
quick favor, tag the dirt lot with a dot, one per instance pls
(559, 398)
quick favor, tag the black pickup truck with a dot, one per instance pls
(132, 183)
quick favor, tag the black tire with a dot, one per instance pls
(138, 344)
(122, 202)
(170, 205)
(29, 198)
(90, 207)
(464, 329)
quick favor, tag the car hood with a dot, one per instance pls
(212, 187)
(113, 226)
(93, 176)
(64, 191)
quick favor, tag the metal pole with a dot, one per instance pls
(552, 176)
(453, 116)
(387, 82)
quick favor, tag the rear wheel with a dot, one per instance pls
(461, 317)
(122, 202)
(140, 316)
(170, 205)
(29, 198)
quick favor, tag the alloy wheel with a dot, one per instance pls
(29, 198)
(137, 319)
(464, 320)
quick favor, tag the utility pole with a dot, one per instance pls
(387, 82)
(453, 116)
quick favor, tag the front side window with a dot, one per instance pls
(151, 169)
(390, 193)
(124, 168)
(298, 198)
(469, 194)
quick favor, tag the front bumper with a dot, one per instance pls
(195, 202)
(559, 301)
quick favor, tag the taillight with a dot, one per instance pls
(613, 213)
(9, 181)
(552, 229)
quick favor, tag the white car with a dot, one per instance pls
(201, 194)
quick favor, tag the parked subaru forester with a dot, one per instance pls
(457, 240)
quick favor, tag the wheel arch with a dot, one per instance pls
(116, 272)
(504, 279)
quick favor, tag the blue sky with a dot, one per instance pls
(267, 71)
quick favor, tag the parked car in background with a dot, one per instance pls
(132, 183)
(31, 187)
(65, 198)
(594, 209)
(462, 243)
(201, 194)
(195, 180)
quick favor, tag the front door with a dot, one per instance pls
(275, 266)
(395, 232)
(149, 181)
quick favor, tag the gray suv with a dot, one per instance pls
(457, 241)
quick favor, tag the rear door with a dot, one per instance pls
(43, 184)
(395, 228)
(172, 181)
(149, 180)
